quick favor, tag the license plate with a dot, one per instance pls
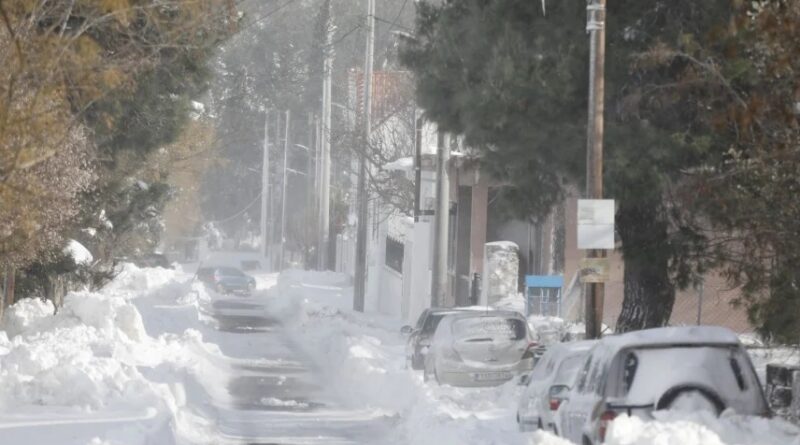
(484, 376)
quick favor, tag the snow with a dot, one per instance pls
(78, 253)
(138, 363)
(502, 265)
(365, 358)
(673, 335)
(401, 164)
(400, 227)
(701, 428)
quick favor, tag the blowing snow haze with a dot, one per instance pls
(396, 222)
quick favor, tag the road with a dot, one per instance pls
(280, 398)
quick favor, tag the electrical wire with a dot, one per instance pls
(240, 212)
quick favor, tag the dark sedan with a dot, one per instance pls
(227, 280)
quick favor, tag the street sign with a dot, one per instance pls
(595, 224)
(594, 270)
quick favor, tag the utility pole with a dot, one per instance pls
(417, 166)
(325, 197)
(439, 281)
(285, 183)
(318, 191)
(596, 17)
(265, 190)
(359, 290)
(311, 193)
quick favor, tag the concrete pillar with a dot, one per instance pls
(478, 224)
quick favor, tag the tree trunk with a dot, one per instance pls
(649, 294)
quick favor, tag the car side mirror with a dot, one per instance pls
(405, 330)
(524, 379)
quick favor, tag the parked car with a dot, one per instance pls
(479, 349)
(548, 384)
(226, 280)
(419, 336)
(686, 368)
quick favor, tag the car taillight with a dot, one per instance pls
(602, 427)
(529, 350)
(557, 393)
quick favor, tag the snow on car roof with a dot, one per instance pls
(575, 346)
(672, 335)
(491, 313)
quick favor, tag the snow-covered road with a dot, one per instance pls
(279, 398)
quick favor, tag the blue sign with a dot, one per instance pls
(544, 281)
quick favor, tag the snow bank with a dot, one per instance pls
(93, 367)
(701, 428)
(25, 314)
(83, 356)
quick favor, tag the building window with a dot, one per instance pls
(394, 254)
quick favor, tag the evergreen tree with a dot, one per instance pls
(512, 78)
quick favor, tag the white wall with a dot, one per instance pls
(390, 294)
(420, 286)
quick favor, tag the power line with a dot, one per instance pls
(240, 212)
(394, 22)
(267, 15)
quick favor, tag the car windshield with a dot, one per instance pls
(489, 328)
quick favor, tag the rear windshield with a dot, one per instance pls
(229, 272)
(495, 328)
(723, 369)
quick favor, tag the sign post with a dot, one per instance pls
(596, 235)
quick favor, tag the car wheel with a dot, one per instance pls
(436, 376)
(539, 424)
(586, 441)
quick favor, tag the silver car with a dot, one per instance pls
(479, 349)
(700, 368)
(548, 384)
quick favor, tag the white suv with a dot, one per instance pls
(689, 368)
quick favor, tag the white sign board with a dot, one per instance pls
(595, 224)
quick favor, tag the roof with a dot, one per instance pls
(491, 313)
(686, 335)
(560, 350)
